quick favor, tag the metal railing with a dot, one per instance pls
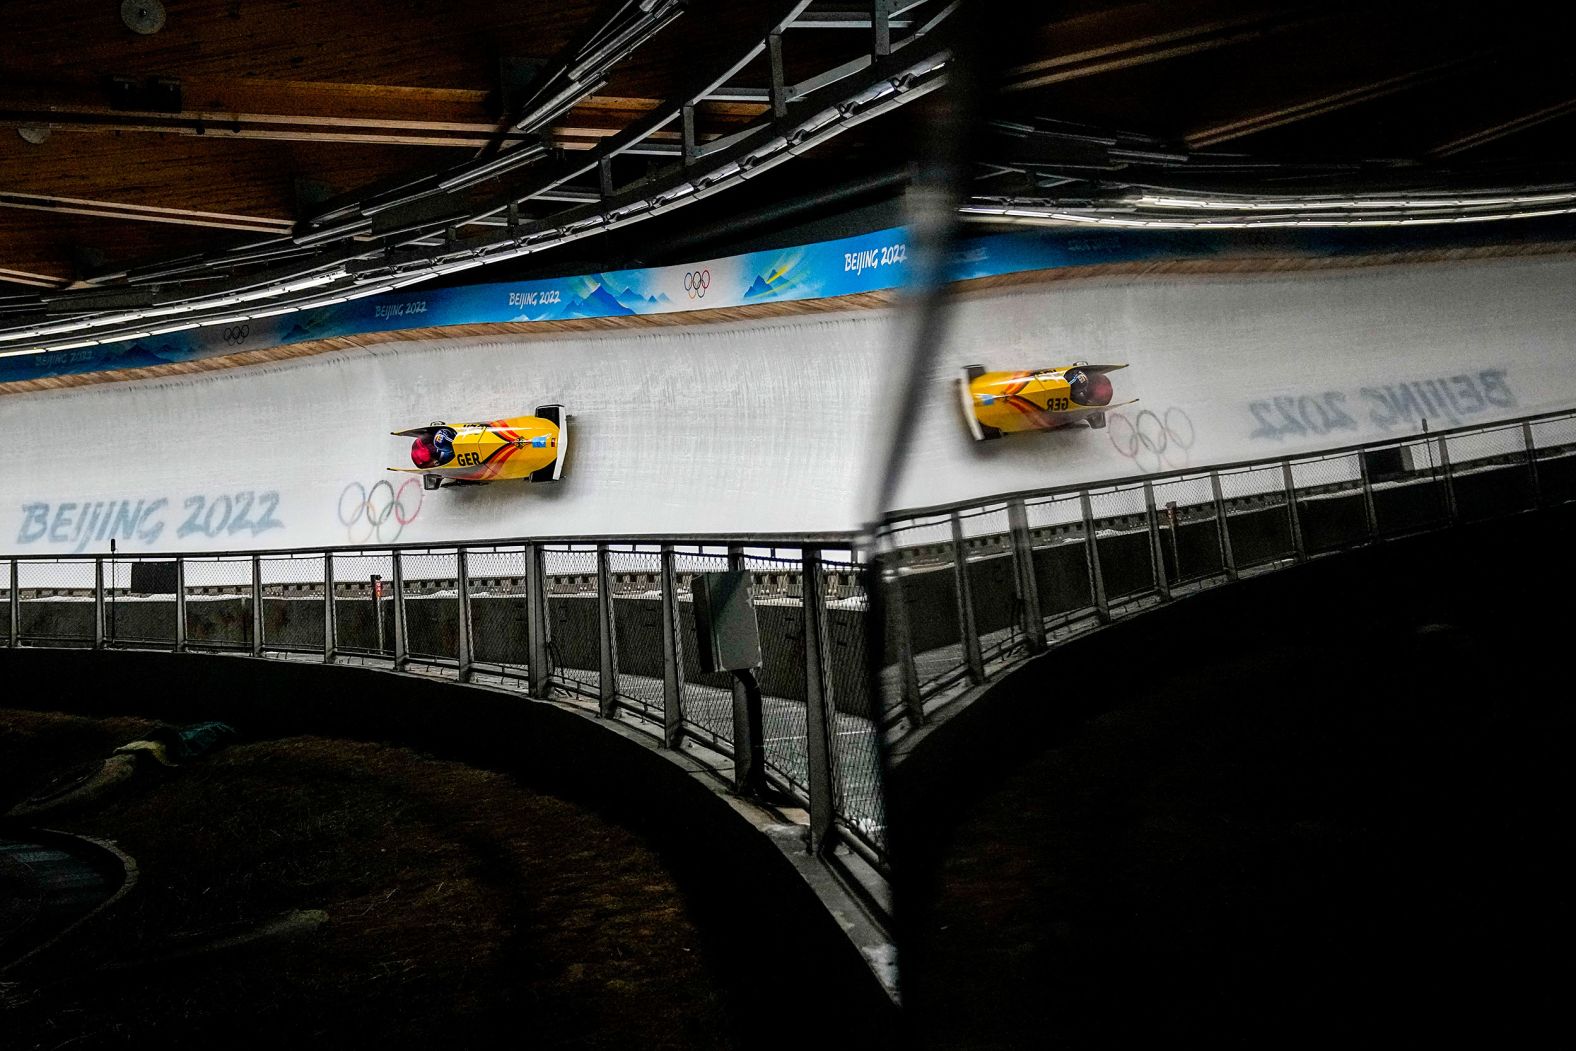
(974, 587)
(970, 589)
(607, 624)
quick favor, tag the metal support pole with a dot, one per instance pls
(1102, 608)
(330, 636)
(1370, 516)
(604, 176)
(1027, 582)
(688, 143)
(180, 605)
(1157, 556)
(98, 603)
(1293, 517)
(741, 701)
(965, 596)
(14, 601)
(896, 606)
(401, 656)
(1450, 481)
(880, 28)
(672, 658)
(819, 711)
(1532, 463)
(607, 637)
(539, 668)
(779, 88)
(1228, 560)
(257, 606)
(462, 591)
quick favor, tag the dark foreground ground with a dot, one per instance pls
(462, 908)
(1330, 808)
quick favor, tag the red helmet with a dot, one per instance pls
(422, 453)
(1099, 389)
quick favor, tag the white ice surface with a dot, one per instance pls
(764, 427)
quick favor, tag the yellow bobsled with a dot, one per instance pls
(530, 447)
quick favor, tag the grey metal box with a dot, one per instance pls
(727, 635)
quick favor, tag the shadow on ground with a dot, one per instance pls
(1329, 804)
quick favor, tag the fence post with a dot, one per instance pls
(818, 709)
(98, 603)
(401, 655)
(1102, 608)
(14, 601)
(1532, 462)
(538, 669)
(1370, 516)
(330, 636)
(257, 606)
(960, 575)
(1223, 525)
(896, 607)
(180, 604)
(1028, 583)
(1298, 549)
(1450, 482)
(1157, 555)
(743, 742)
(607, 637)
(672, 658)
(462, 592)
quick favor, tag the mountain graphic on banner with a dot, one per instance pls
(758, 288)
(599, 302)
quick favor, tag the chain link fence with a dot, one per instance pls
(293, 610)
(637, 625)
(140, 601)
(573, 610)
(432, 606)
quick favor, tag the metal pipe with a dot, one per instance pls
(1157, 555)
(1451, 512)
(257, 606)
(98, 603)
(607, 637)
(401, 654)
(1228, 560)
(1530, 445)
(180, 605)
(330, 635)
(672, 659)
(1370, 516)
(1293, 517)
(968, 634)
(1102, 607)
(539, 671)
(462, 591)
(819, 712)
(14, 603)
(1027, 581)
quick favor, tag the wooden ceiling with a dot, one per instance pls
(236, 119)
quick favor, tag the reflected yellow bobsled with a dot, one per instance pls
(997, 403)
(530, 447)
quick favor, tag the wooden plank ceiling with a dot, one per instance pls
(235, 118)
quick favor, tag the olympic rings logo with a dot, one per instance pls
(696, 282)
(381, 512)
(1149, 436)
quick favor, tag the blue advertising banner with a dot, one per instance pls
(866, 263)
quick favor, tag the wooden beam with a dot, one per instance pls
(144, 213)
(1504, 129)
(1329, 102)
(1140, 34)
